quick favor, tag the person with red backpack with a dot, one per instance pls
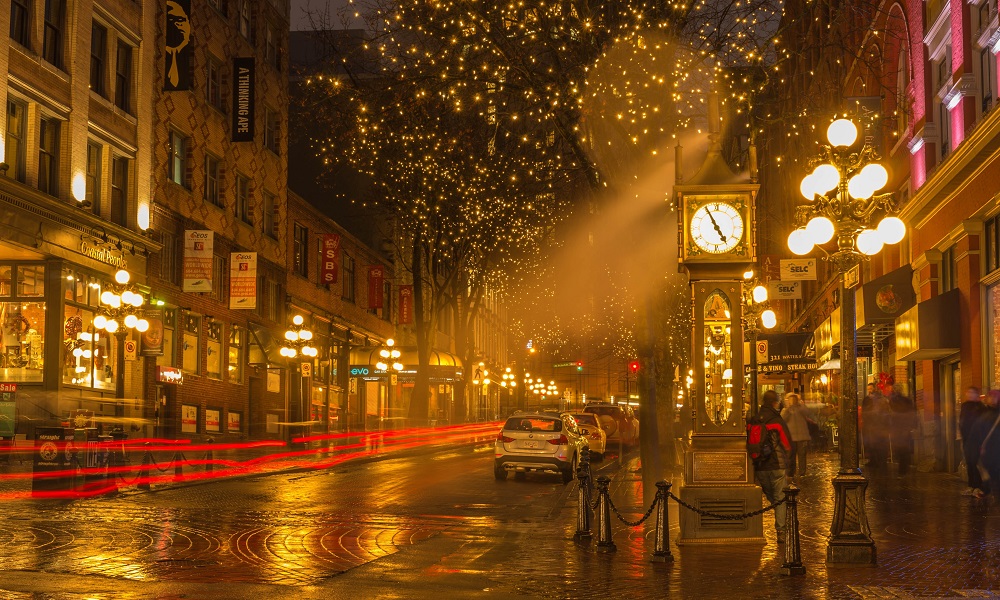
(771, 461)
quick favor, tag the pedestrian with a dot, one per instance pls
(986, 436)
(971, 409)
(770, 470)
(902, 421)
(796, 416)
(874, 428)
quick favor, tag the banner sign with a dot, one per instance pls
(177, 46)
(405, 304)
(243, 99)
(152, 338)
(189, 418)
(798, 269)
(331, 259)
(784, 290)
(883, 299)
(376, 280)
(785, 352)
(198, 247)
(243, 280)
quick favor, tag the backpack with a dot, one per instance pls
(760, 445)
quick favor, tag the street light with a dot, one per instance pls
(843, 202)
(508, 383)
(391, 365)
(297, 341)
(755, 310)
(119, 312)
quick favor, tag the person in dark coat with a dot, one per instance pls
(874, 428)
(770, 471)
(902, 423)
(969, 412)
(989, 443)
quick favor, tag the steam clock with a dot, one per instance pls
(717, 245)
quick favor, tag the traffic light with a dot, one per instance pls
(579, 365)
(634, 367)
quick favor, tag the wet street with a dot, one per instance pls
(433, 522)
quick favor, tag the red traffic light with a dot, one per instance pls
(634, 366)
(579, 363)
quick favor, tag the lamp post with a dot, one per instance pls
(297, 338)
(755, 311)
(118, 313)
(508, 383)
(391, 365)
(843, 203)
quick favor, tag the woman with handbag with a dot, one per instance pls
(988, 439)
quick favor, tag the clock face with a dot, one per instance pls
(717, 227)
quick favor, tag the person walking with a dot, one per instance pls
(902, 422)
(969, 412)
(796, 416)
(770, 470)
(874, 428)
(987, 438)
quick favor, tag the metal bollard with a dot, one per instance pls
(605, 543)
(208, 456)
(178, 466)
(583, 514)
(661, 539)
(147, 461)
(793, 554)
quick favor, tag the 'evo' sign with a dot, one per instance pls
(798, 269)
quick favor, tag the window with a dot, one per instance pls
(271, 130)
(20, 30)
(94, 177)
(270, 216)
(169, 357)
(992, 228)
(988, 77)
(168, 257)
(245, 19)
(98, 56)
(178, 158)
(243, 200)
(948, 266)
(348, 294)
(22, 322)
(123, 78)
(300, 251)
(237, 339)
(271, 47)
(48, 152)
(119, 190)
(219, 278)
(213, 91)
(213, 350)
(14, 139)
(52, 43)
(212, 172)
(269, 298)
(191, 348)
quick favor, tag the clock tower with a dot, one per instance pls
(716, 235)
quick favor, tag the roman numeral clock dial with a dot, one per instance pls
(717, 227)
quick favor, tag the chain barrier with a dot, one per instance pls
(169, 466)
(728, 517)
(642, 520)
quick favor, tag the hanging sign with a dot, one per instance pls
(376, 279)
(243, 99)
(405, 304)
(784, 290)
(152, 338)
(131, 349)
(177, 46)
(331, 259)
(798, 269)
(198, 248)
(243, 280)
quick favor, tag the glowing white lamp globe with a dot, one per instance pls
(876, 176)
(808, 187)
(399, 367)
(825, 178)
(297, 319)
(842, 132)
(768, 318)
(381, 366)
(78, 352)
(760, 294)
(122, 276)
(130, 321)
(305, 334)
(869, 242)
(142, 325)
(859, 187)
(111, 326)
(106, 297)
(100, 321)
(127, 297)
(291, 353)
(799, 242)
(820, 230)
(892, 230)
(291, 336)
(283, 351)
(137, 300)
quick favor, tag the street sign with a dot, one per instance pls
(852, 276)
(798, 269)
(393, 379)
(307, 369)
(352, 385)
(762, 355)
(131, 349)
(784, 290)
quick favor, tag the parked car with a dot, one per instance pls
(591, 429)
(538, 442)
(618, 422)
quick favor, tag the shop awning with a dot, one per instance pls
(928, 330)
(785, 352)
(883, 299)
(443, 365)
(263, 349)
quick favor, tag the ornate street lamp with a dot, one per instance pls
(508, 383)
(391, 366)
(297, 341)
(843, 204)
(118, 313)
(755, 310)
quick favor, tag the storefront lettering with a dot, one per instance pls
(105, 255)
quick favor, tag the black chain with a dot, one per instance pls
(631, 523)
(134, 479)
(158, 467)
(705, 513)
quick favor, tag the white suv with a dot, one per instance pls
(545, 443)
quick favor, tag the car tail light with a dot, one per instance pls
(560, 441)
(503, 438)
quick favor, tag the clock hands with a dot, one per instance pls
(716, 225)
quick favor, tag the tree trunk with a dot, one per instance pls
(649, 444)
(420, 401)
